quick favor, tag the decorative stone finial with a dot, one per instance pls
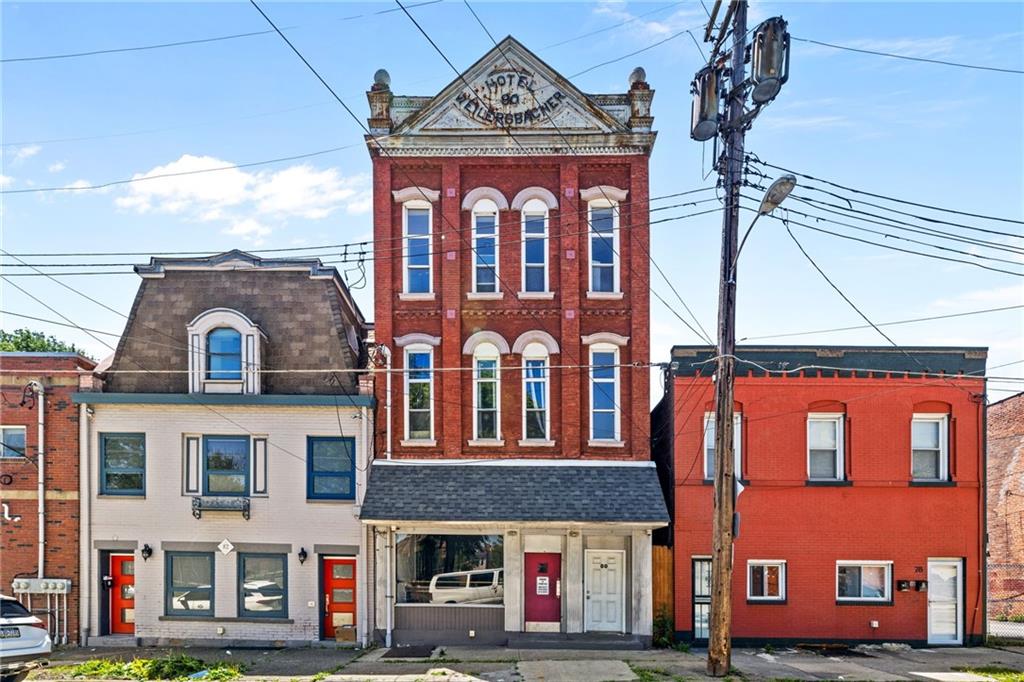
(382, 79)
(637, 76)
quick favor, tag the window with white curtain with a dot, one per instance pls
(929, 447)
(709, 445)
(825, 447)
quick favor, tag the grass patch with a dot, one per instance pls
(995, 672)
(178, 667)
(655, 675)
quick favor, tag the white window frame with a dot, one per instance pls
(409, 350)
(418, 204)
(616, 284)
(606, 348)
(486, 207)
(536, 351)
(887, 565)
(535, 207)
(198, 331)
(839, 420)
(14, 427)
(737, 443)
(487, 351)
(781, 564)
(943, 421)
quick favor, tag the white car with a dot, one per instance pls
(482, 586)
(24, 642)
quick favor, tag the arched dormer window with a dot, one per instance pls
(485, 247)
(225, 348)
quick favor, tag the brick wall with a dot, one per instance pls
(59, 375)
(1006, 507)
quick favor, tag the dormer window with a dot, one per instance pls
(225, 348)
(224, 354)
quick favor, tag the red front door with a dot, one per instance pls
(544, 589)
(340, 598)
(122, 594)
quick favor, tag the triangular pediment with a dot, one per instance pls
(510, 89)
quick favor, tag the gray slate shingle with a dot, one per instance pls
(452, 492)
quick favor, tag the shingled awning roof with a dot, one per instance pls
(502, 492)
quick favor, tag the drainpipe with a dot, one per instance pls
(40, 468)
(386, 352)
(389, 591)
(85, 525)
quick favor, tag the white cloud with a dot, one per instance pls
(56, 167)
(250, 230)
(80, 184)
(5, 180)
(687, 16)
(26, 152)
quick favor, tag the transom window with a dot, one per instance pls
(224, 354)
(330, 468)
(863, 581)
(535, 392)
(263, 585)
(123, 463)
(604, 269)
(604, 390)
(226, 465)
(929, 447)
(188, 584)
(419, 411)
(13, 444)
(535, 246)
(825, 447)
(417, 219)
(709, 445)
(766, 580)
(486, 393)
(485, 247)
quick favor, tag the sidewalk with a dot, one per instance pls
(500, 664)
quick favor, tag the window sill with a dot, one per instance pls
(121, 496)
(863, 602)
(418, 443)
(532, 443)
(606, 443)
(823, 483)
(932, 484)
(240, 619)
(330, 500)
(429, 296)
(536, 295)
(766, 602)
(222, 386)
(605, 295)
(486, 443)
(485, 295)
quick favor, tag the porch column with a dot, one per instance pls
(643, 597)
(514, 581)
(574, 583)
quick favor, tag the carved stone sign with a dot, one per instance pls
(509, 99)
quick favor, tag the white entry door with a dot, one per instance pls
(945, 592)
(605, 590)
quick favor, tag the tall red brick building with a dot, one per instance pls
(1006, 514)
(861, 513)
(511, 282)
(36, 393)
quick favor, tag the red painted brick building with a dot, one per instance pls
(511, 286)
(1006, 512)
(59, 375)
(861, 516)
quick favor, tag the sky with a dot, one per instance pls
(932, 134)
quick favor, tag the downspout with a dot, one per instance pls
(387, 397)
(85, 526)
(389, 594)
(983, 488)
(364, 620)
(41, 470)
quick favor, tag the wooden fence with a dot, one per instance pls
(662, 580)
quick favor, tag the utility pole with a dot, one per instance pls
(719, 643)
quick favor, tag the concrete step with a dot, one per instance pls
(587, 640)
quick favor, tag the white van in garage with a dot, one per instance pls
(482, 586)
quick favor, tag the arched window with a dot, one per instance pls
(603, 218)
(419, 393)
(486, 393)
(604, 392)
(536, 393)
(416, 232)
(535, 246)
(224, 354)
(485, 247)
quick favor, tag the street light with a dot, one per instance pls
(775, 195)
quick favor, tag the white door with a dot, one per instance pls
(605, 590)
(945, 592)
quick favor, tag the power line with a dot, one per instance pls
(636, 52)
(609, 28)
(883, 324)
(180, 43)
(753, 158)
(908, 57)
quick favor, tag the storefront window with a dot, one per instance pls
(450, 569)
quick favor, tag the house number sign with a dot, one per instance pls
(509, 99)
